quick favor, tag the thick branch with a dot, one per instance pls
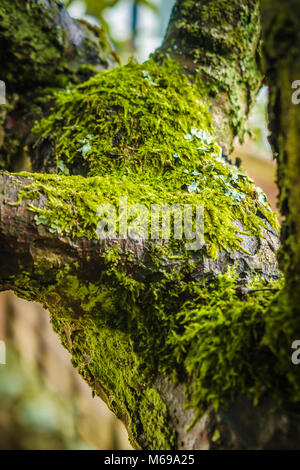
(40, 45)
(41, 49)
(144, 320)
(220, 41)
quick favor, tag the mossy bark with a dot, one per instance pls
(281, 47)
(221, 42)
(42, 49)
(42, 46)
(150, 326)
(128, 312)
(281, 21)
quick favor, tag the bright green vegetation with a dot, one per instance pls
(282, 63)
(145, 132)
(199, 332)
(225, 50)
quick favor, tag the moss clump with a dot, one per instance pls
(124, 332)
(282, 65)
(135, 118)
(145, 132)
(221, 340)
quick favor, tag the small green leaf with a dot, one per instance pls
(63, 168)
(85, 149)
(193, 187)
(148, 77)
(40, 219)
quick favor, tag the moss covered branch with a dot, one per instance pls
(281, 46)
(282, 61)
(139, 319)
(220, 41)
(41, 45)
(41, 49)
(172, 338)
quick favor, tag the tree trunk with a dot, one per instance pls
(152, 325)
(281, 23)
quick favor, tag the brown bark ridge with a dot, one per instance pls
(42, 49)
(221, 41)
(281, 48)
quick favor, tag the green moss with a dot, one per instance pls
(53, 56)
(220, 339)
(123, 332)
(73, 203)
(154, 419)
(144, 132)
(224, 49)
(282, 66)
(134, 117)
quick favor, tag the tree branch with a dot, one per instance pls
(151, 325)
(43, 49)
(220, 42)
(41, 45)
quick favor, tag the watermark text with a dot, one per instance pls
(139, 222)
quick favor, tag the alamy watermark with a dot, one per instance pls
(139, 222)
(2, 352)
(2, 92)
(296, 94)
(295, 358)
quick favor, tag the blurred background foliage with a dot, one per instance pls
(44, 403)
(135, 27)
(32, 417)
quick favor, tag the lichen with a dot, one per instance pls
(124, 332)
(145, 132)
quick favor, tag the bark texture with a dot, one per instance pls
(221, 42)
(42, 49)
(41, 45)
(149, 325)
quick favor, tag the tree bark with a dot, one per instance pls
(42, 49)
(281, 23)
(114, 302)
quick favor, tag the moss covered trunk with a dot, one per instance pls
(151, 324)
(41, 49)
(281, 23)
